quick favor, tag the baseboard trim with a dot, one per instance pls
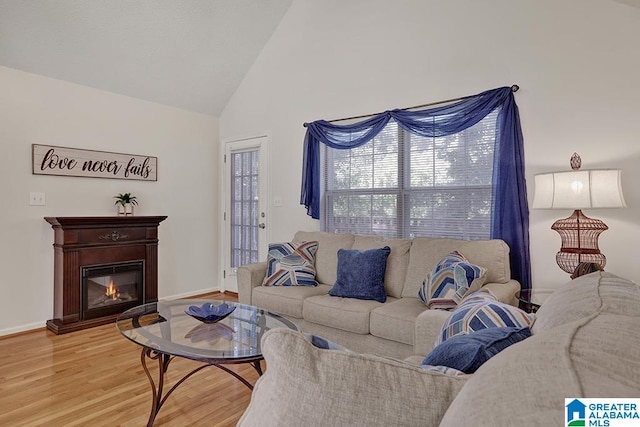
(191, 294)
(5, 333)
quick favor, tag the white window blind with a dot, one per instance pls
(401, 185)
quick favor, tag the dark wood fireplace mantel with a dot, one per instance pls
(97, 240)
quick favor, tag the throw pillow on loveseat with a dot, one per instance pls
(468, 352)
(480, 311)
(291, 264)
(361, 274)
(450, 281)
(477, 330)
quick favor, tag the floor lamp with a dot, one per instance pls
(578, 189)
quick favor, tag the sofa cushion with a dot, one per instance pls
(396, 321)
(291, 264)
(397, 262)
(304, 385)
(479, 311)
(426, 252)
(286, 300)
(361, 274)
(327, 254)
(468, 352)
(450, 281)
(595, 356)
(347, 314)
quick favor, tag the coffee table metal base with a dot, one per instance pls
(165, 331)
(163, 365)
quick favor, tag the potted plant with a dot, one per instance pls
(125, 203)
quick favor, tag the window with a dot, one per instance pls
(401, 185)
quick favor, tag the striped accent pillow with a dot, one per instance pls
(450, 281)
(479, 313)
(443, 370)
(291, 264)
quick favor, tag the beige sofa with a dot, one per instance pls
(585, 344)
(399, 327)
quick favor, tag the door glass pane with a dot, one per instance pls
(244, 208)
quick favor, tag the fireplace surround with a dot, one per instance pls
(102, 267)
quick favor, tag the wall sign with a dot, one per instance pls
(64, 161)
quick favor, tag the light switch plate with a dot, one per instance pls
(37, 199)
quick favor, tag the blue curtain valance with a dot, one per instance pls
(510, 213)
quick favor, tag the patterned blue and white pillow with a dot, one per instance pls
(478, 312)
(291, 264)
(443, 370)
(450, 281)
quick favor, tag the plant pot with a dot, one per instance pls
(124, 210)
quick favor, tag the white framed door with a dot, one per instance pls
(245, 215)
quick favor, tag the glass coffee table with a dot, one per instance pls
(165, 331)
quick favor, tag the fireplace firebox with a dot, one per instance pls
(111, 289)
(102, 267)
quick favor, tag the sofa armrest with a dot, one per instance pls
(248, 277)
(305, 385)
(428, 326)
(504, 292)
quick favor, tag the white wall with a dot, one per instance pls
(576, 62)
(35, 109)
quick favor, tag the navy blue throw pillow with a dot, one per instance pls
(322, 343)
(361, 274)
(468, 352)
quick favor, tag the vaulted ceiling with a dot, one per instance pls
(190, 54)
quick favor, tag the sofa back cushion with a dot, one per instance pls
(585, 295)
(308, 386)
(327, 254)
(427, 251)
(397, 262)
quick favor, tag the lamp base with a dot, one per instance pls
(579, 235)
(568, 261)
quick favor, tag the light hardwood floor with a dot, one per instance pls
(94, 378)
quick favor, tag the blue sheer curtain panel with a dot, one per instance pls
(510, 212)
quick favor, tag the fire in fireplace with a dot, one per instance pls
(112, 288)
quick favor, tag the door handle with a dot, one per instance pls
(262, 225)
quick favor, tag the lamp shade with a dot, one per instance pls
(579, 189)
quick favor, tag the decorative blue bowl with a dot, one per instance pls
(209, 313)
